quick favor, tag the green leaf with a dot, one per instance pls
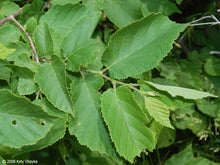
(166, 138)
(97, 63)
(94, 5)
(122, 13)
(78, 36)
(172, 103)
(4, 52)
(88, 125)
(56, 132)
(51, 79)
(155, 127)
(140, 46)
(158, 110)
(64, 2)
(63, 18)
(31, 25)
(185, 157)
(43, 40)
(49, 108)
(212, 66)
(165, 6)
(19, 125)
(8, 8)
(57, 42)
(34, 9)
(21, 48)
(179, 91)
(201, 161)
(189, 118)
(179, 1)
(182, 157)
(125, 121)
(23, 60)
(83, 55)
(26, 84)
(9, 33)
(210, 108)
(5, 73)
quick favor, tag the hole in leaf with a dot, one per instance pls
(42, 122)
(14, 122)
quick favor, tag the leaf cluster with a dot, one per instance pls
(94, 95)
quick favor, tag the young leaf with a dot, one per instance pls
(21, 121)
(158, 110)
(184, 92)
(88, 125)
(52, 81)
(125, 121)
(140, 46)
(122, 13)
(4, 52)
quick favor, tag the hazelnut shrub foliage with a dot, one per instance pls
(93, 81)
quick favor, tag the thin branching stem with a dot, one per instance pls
(3, 21)
(114, 82)
(194, 23)
(12, 18)
(214, 52)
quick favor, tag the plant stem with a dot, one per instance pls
(158, 156)
(193, 23)
(11, 17)
(3, 21)
(132, 86)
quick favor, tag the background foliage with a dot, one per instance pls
(118, 82)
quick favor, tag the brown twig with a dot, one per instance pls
(12, 18)
(8, 18)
